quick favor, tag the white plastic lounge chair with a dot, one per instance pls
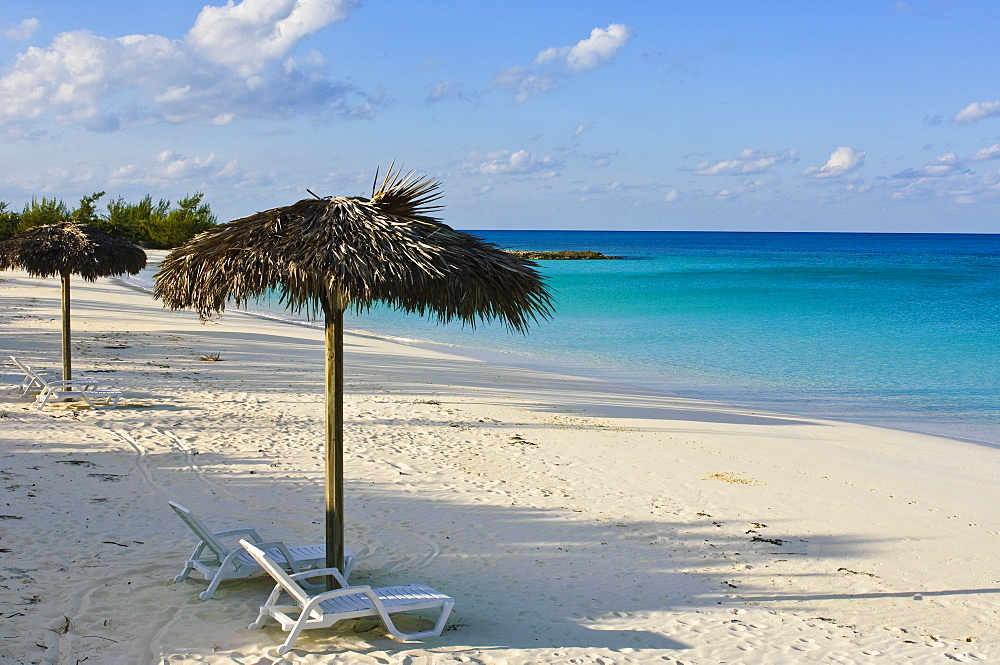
(349, 602)
(31, 380)
(59, 390)
(77, 389)
(217, 562)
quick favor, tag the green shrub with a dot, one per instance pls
(9, 221)
(145, 223)
(187, 220)
(44, 211)
(132, 220)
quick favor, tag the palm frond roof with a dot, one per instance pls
(70, 248)
(353, 252)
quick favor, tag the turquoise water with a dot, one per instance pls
(896, 329)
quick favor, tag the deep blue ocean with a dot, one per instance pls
(899, 330)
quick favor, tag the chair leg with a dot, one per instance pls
(259, 622)
(212, 586)
(400, 635)
(293, 635)
(443, 618)
(349, 566)
(184, 573)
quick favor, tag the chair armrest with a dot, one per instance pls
(240, 532)
(72, 384)
(272, 544)
(322, 572)
(198, 549)
(343, 591)
(314, 601)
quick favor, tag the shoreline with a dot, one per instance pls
(844, 408)
(667, 528)
(788, 403)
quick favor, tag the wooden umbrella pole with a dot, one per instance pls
(334, 333)
(67, 371)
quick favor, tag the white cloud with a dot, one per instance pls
(604, 159)
(450, 90)
(516, 163)
(672, 195)
(589, 53)
(962, 187)
(171, 170)
(843, 160)
(949, 166)
(943, 166)
(949, 177)
(605, 188)
(567, 149)
(23, 30)
(248, 35)
(444, 90)
(523, 83)
(233, 63)
(179, 167)
(164, 171)
(543, 76)
(977, 111)
(992, 152)
(735, 192)
(746, 163)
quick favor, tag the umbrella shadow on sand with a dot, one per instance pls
(525, 577)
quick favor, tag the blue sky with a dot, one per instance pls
(875, 115)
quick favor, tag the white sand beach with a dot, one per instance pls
(573, 521)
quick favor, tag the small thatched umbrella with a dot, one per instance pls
(65, 249)
(332, 254)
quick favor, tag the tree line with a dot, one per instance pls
(155, 225)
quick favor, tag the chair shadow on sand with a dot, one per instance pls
(541, 581)
(523, 577)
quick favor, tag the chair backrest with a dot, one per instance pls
(28, 371)
(199, 529)
(279, 575)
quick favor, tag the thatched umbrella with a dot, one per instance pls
(65, 249)
(336, 253)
